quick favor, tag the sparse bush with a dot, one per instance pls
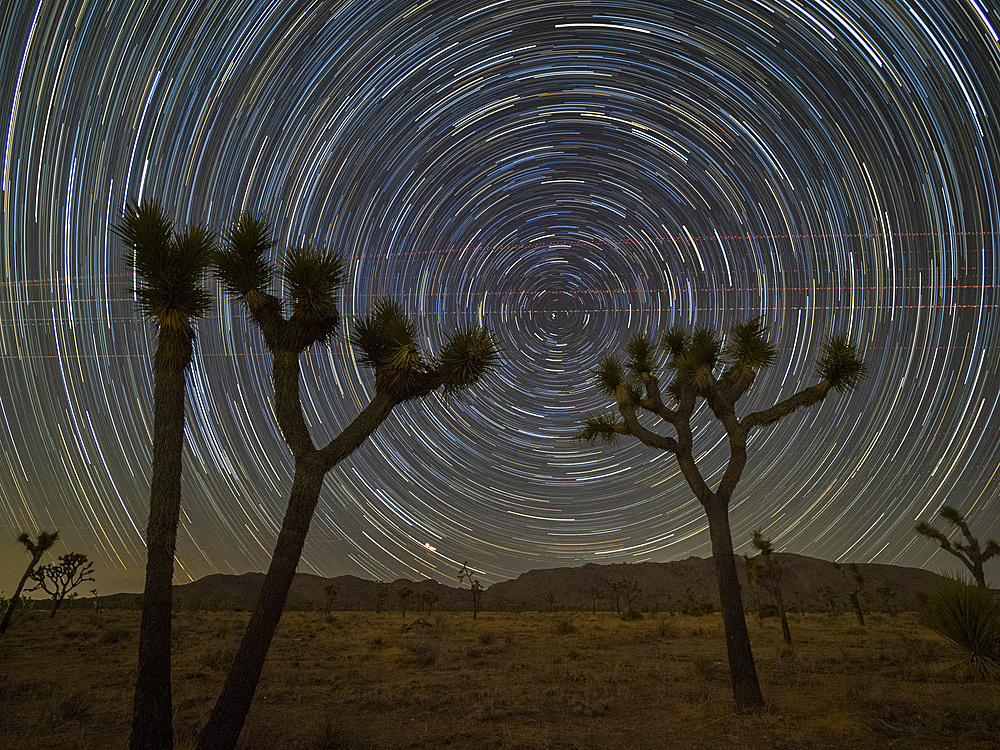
(968, 616)
(694, 605)
(487, 638)
(630, 614)
(565, 627)
(424, 654)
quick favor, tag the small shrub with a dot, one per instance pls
(565, 627)
(968, 616)
(487, 638)
(425, 655)
(376, 643)
(629, 615)
(665, 629)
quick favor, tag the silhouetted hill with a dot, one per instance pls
(664, 586)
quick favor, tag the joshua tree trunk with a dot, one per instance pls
(742, 672)
(152, 712)
(226, 722)
(15, 600)
(856, 603)
(786, 634)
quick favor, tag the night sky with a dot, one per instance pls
(567, 174)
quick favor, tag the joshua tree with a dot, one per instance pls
(379, 591)
(331, 593)
(969, 552)
(694, 360)
(387, 341)
(474, 585)
(595, 593)
(428, 599)
(764, 571)
(630, 590)
(59, 579)
(830, 598)
(97, 600)
(404, 593)
(888, 598)
(857, 582)
(170, 269)
(36, 549)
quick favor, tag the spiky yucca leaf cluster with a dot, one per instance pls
(312, 278)
(761, 543)
(600, 428)
(466, 358)
(641, 355)
(676, 340)
(968, 616)
(747, 345)
(840, 364)
(242, 265)
(698, 360)
(170, 268)
(386, 341)
(610, 376)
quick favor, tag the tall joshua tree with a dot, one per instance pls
(386, 341)
(36, 549)
(170, 269)
(765, 571)
(704, 368)
(969, 551)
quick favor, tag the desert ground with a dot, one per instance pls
(558, 680)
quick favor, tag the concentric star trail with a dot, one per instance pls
(566, 173)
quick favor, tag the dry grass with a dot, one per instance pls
(561, 680)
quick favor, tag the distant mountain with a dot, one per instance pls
(664, 586)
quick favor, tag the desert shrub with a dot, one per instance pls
(565, 627)
(694, 605)
(424, 654)
(487, 638)
(630, 614)
(665, 629)
(376, 643)
(968, 616)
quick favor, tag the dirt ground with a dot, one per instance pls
(560, 680)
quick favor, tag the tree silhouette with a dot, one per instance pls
(386, 340)
(380, 593)
(694, 360)
(465, 574)
(36, 549)
(331, 593)
(969, 552)
(764, 571)
(170, 269)
(59, 579)
(428, 599)
(857, 582)
(404, 593)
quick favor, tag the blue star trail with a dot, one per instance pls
(567, 174)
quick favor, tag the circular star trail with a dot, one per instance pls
(567, 174)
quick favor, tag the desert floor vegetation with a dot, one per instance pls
(531, 680)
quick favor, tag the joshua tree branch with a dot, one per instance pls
(357, 431)
(287, 406)
(648, 437)
(806, 397)
(654, 400)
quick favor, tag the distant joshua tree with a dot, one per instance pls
(428, 599)
(969, 552)
(331, 594)
(387, 341)
(379, 593)
(857, 583)
(595, 593)
(887, 596)
(59, 579)
(830, 598)
(764, 571)
(97, 600)
(404, 594)
(630, 590)
(170, 269)
(694, 360)
(465, 574)
(36, 549)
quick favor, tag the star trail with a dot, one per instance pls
(567, 174)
